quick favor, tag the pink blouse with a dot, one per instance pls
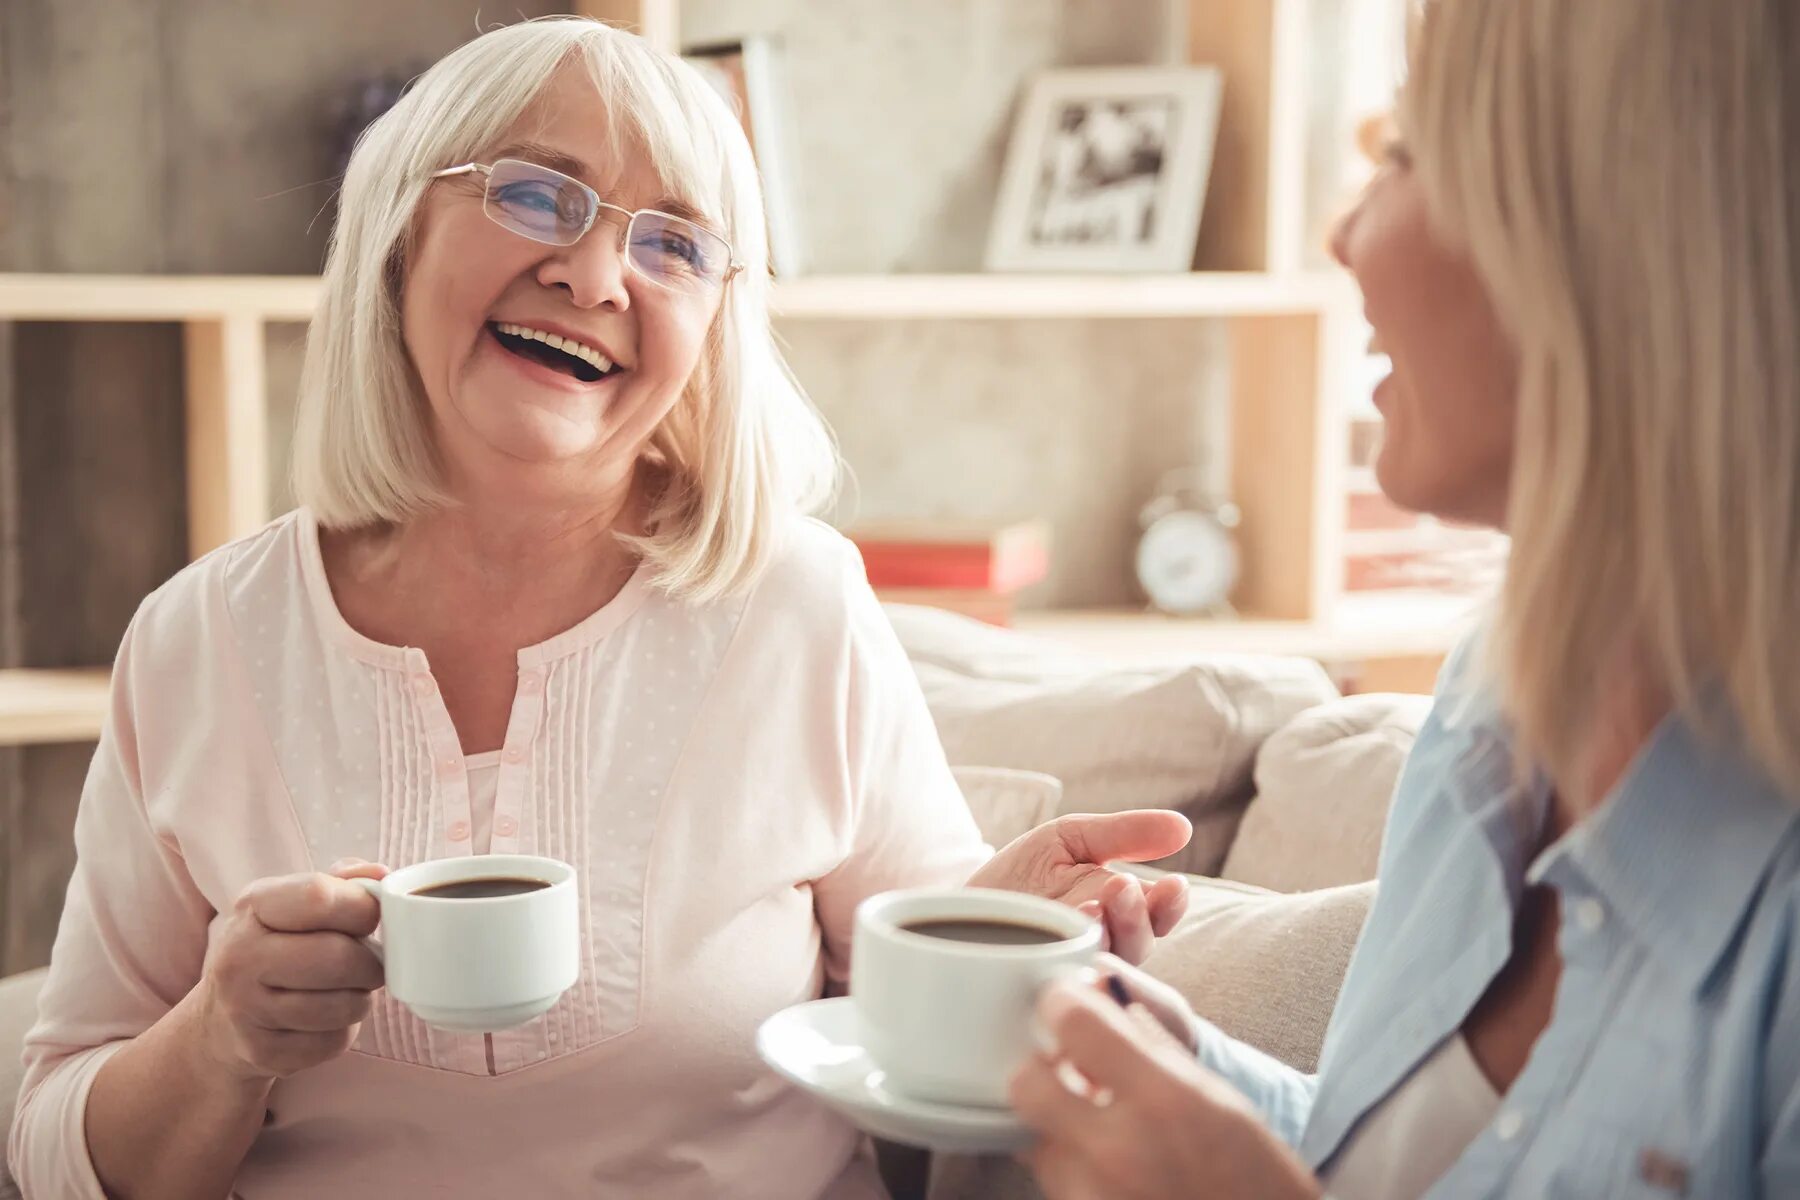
(729, 780)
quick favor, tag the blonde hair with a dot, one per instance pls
(1626, 178)
(743, 449)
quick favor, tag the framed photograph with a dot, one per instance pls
(1107, 171)
(748, 74)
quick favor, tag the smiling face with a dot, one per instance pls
(1449, 405)
(546, 367)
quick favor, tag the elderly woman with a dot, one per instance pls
(1582, 976)
(551, 592)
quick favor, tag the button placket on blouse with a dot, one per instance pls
(515, 768)
(450, 790)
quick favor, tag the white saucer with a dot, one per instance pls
(815, 1047)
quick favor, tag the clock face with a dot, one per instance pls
(1186, 562)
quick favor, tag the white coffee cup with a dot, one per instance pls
(483, 964)
(951, 1021)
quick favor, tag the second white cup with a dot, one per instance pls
(944, 982)
(479, 943)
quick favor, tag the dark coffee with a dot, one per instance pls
(985, 932)
(482, 889)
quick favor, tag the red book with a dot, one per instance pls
(993, 607)
(991, 557)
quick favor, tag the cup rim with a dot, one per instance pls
(874, 916)
(397, 883)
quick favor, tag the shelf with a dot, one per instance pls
(157, 297)
(52, 706)
(817, 297)
(1200, 294)
(1366, 627)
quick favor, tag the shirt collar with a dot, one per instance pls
(1680, 849)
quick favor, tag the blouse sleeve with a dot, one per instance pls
(911, 825)
(131, 944)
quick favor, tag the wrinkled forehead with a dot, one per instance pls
(636, 151)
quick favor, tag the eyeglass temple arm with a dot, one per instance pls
(465, 169)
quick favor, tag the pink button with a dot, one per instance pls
(531, 681)
(459, 831)
(422, 684)
(506, 827)
(513, 754)
(447, 766)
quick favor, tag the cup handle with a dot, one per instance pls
(373, 887)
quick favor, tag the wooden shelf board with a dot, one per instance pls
(38, 706)
(1199, 294)
(1364, 627)
(815, 297)
(156, 297)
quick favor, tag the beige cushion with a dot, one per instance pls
(1262, 966)
(1007, 803)
(1183, 736)
(18, 1011)
(1323, 783)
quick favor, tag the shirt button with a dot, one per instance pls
(1509, 1125)
(446, 767)
(513, 754)
(1590, 915)
(531, 681)
(422, 684)
(459, 831)
(506, 827)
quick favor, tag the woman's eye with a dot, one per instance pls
(534, 196)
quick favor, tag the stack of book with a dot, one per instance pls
(974, 568)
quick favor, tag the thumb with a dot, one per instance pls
(1135, 836)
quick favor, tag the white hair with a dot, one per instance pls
(1626, 178)
(744, 449)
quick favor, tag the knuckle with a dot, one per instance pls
(316, 895)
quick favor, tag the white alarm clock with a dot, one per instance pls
(1187, 558)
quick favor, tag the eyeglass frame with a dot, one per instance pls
(733, 266)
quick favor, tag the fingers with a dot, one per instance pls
(1064, 1174)
(1167, 902)
(311, 1012)
(315, 962)
(1043, 1101)
(310, 903)
(1128, 920)
(1136, 836)
(1095, 1036)
(357, 868)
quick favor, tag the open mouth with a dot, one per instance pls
(558, 353)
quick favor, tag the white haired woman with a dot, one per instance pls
(551, 592)
(1582, 975)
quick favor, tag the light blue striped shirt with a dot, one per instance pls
(1671, 1063)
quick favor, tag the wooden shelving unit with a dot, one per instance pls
(1289, 334)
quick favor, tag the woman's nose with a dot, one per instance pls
(1338, 243)
(593, 271)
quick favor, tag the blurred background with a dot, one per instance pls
(1075, 329)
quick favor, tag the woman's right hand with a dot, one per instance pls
(287, 980)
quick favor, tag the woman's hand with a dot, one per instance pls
(287, 982)
(1065, 860)
(1124, 1112)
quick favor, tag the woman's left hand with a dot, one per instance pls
(1065, 860)
(1141, 1119)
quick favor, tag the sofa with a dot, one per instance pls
(1286, 781)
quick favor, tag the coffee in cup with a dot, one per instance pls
(944, 982)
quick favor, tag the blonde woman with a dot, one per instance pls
(1582, 976)
(551, 592)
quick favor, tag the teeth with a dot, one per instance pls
(568, 346)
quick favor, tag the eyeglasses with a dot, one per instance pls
(558, 210)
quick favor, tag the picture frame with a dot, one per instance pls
(748, 73)
(1107, 170)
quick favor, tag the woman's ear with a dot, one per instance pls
(1373, 133)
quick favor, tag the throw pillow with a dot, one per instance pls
(1323, 783)
(1182, 736)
